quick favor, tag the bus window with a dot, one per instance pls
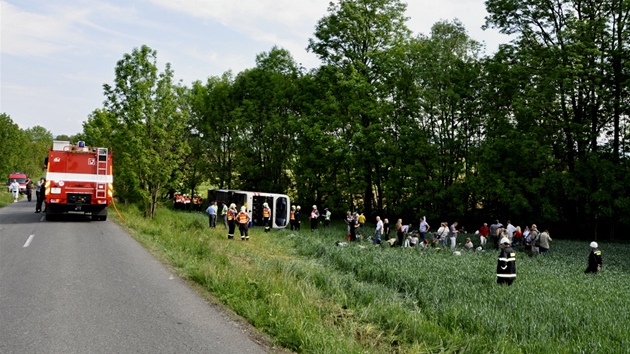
(281, 211)
(257, 210)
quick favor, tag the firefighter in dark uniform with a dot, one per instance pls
(292, 218)
(231, 220)
(506, 266)
(243, 223)
(594, 259)
(297, 218)
(266, 217)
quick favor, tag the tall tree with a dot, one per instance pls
(22, 150)
(211, 106)
(573, 53)
(357, 37)
(446, 72)
(150, 119)
(265, 108)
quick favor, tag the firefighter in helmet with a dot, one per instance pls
(298, 223)
(266, 217)
(292, 218)
(243, 223)
(231, 220)
(506, 265)
(594, 259)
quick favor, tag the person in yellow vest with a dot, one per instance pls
(266, 217)
(232, 213)
(362, 225)
(243, 223)
(292, 218)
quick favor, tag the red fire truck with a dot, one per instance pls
(78, 179)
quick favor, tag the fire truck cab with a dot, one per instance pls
(79, 179)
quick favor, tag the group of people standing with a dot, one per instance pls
(531, 238)
(231, 217)
(187, 202)
(355, 224)
(296, 224)
(40, 191)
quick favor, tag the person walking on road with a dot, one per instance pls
(40, 189)
(29, 188)
(15, 189)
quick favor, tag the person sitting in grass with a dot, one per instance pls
(412, 240)
(469, 245)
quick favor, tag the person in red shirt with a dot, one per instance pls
(518, 235)
(483, 234)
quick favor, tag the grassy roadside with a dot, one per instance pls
(311, 296)
(6, 198)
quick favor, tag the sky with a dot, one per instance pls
(56, 55)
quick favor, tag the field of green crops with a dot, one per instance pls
(309, 295)
(552, 307)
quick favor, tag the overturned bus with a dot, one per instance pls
(253, 201)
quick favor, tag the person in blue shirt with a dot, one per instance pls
(212, 214)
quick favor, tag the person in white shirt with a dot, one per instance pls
(15, 189)
(468, 245)
(423, 228)
(453, 234)
(510, 228)
(379, 230)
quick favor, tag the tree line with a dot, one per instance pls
(22, 150)
(398, 124)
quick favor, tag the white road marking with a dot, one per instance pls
(42, 218)
(28, 242)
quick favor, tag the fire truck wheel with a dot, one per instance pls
(100, 215)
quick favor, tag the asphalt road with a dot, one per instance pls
(81, 286)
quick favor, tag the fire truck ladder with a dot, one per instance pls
(101, 170)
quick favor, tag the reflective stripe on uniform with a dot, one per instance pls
(507, 259)
(506, 275)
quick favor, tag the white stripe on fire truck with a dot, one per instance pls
(78, 177)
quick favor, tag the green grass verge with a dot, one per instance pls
(6, 198)
(314, 297)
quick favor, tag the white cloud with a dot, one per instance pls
(285, 23)
(27, 33)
